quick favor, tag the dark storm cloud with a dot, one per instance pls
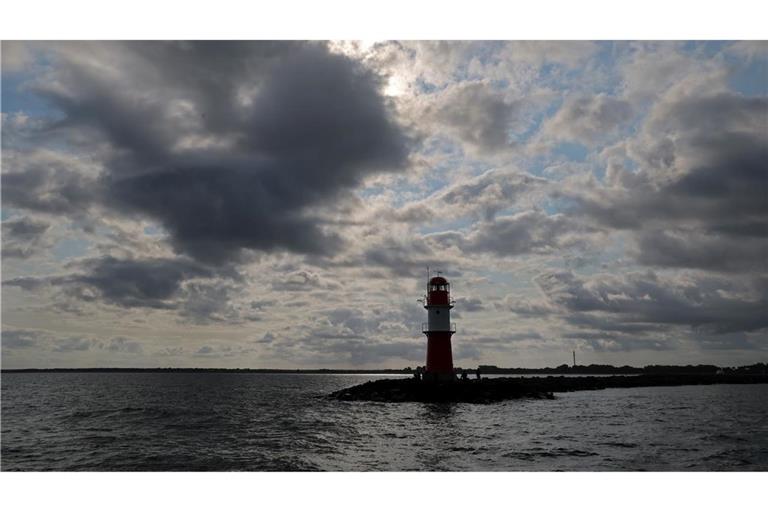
(636, 300)
(136, 283)
(23, 237)
(229, 146)
(156, 283)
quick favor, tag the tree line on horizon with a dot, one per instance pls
(592, 369)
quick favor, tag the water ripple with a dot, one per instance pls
(258, 422)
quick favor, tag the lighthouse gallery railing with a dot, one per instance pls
(425, 328)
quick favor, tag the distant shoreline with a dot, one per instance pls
(200, 370)
(759, 368)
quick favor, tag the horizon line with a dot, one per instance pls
(407, 369)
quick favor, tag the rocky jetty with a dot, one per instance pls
(506, 388)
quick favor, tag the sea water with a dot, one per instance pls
(283, 422)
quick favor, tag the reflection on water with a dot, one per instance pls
(439, 415)
(261, 422)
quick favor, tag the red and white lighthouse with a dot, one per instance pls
(439, 329)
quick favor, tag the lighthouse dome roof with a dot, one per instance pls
(438, 280)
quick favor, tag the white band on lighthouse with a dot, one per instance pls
(439, 318)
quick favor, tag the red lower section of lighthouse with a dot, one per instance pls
(439, 356)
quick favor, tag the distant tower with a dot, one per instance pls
(574, 359)
(439, 329)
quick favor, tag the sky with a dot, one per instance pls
(276, 204)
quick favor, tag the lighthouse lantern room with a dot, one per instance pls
(439, 329)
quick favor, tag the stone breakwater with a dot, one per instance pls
(508, 388)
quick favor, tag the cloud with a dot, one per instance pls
(529, 232)
(121, 344)
(698, 198)
(475, 113)
(525, 232)
(267, 338)
(654, 67)
(226, 186)
(27, 283)
(236, 157)
(301, 280)
(44, 340)
(488, 193)
(617, 342)
(613, 303)
(480, 196)
(568, 53)
(46, 182)
(15, 339)
(405, 257)
(360, 335)
(587, 119)
(16, 56)
(503, 340)
(206, 303)
(470, 305)
(151, 283)
(19, 338)
(746, 251)
(361, 352)
(73, 345)
(219, 350)
(751, 50)
(135, 283)
(527, 307)
(24, 237)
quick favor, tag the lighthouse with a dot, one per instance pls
(439, 329)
